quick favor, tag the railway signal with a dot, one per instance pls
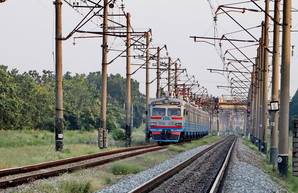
(216, 106)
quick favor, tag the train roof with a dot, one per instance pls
(182, 102)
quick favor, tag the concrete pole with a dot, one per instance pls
(147, 70)
(275, 85)
(254, 103)
(128, 84)
(158, 73)
(283, 149)
(217, 121)
(59, 78)
(262, 51)
(147, 36)
(211, 120)
(265, 79)
(169, 76)
(261, 90)
(102, 134)
(176, 80)
(257, 126)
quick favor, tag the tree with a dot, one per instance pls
(294, 108)
(27, 101)
(81, 103)
(9, 105)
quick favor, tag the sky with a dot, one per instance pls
(27, 38)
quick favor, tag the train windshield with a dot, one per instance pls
(174, 112)
(158, 112)
(166, 112)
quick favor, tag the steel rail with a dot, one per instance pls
(150, 185)
(8, 180)
(217, 182)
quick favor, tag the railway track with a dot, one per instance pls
(202, 172)
(15, 176)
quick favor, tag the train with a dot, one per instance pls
(172, 120)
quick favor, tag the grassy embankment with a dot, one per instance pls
(291, 183)
(29, 147)
(26, 147)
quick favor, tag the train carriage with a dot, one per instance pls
(175, 120)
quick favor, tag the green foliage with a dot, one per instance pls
(204, 141)
(138, 136)
(193, 144)
(116, 117)
(250, 145)
(27, 101)
(74, 186)
(21, 138)
(38, 146)
(118, 134)
(149, 160)
(24, 104)
(81, 105)
(175, 148)
(294, 108)
(63, 186)
(124, 167)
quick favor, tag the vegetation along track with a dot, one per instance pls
(15, 176)
(200, 173)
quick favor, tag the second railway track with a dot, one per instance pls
(20, 175)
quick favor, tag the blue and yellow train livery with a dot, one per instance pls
(175, 120)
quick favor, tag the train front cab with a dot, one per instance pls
(165, 121)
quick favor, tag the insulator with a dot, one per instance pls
(215, 18)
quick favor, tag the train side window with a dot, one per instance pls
(185, 112)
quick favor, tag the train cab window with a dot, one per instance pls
(174, 112)
(158, 112)
(185, 112)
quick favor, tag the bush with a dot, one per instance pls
(118, 134)
(75, 186)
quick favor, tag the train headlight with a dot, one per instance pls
(178, 124)
(153, 123)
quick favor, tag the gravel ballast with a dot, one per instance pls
(244, 173)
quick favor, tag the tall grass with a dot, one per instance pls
(200, 142)
(26, 147)
(193, 144)
(175, 148)
(34, 146)
(125, 167)
(20, 138)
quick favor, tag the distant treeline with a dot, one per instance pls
(294, 108)
(27, 101)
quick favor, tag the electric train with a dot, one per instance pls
(175, 120)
